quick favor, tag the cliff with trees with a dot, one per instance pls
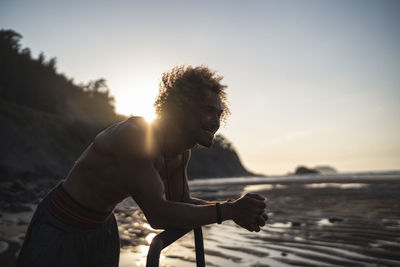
(47, 119)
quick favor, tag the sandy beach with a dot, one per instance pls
(314, 221)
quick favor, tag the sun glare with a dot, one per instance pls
(149, 117)
(130, 105)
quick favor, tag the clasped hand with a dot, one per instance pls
(250, 212)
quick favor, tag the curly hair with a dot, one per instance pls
(181, 88)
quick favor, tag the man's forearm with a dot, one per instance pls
(197, 201)
(188, 215)
(244, 211)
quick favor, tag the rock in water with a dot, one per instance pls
(303, 170)
(335, 219)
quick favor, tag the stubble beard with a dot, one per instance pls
(205, 141)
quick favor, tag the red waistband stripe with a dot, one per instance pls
(71, 212)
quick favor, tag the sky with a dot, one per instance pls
(309, 82)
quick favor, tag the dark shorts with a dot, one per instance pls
(59, 235)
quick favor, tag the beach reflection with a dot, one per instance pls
(143, 250)
(336, 185)
(150, 237)
(263, 187)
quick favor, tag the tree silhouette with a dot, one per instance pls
(36, 84)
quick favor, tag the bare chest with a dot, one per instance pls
(172, 173)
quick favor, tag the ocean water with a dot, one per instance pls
(314, 220)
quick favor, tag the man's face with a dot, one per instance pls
(207, 118)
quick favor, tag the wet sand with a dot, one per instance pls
(318, 223)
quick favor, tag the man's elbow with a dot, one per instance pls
(159, 222)
(158, 225)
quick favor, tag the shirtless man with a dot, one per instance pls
(74, 224)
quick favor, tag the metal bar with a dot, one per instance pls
(169, 236)
(198, 240)
(161, 241)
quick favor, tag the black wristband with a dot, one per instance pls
(219, 213)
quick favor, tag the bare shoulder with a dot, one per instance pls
(127, 138)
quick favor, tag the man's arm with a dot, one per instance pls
(148, 192)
